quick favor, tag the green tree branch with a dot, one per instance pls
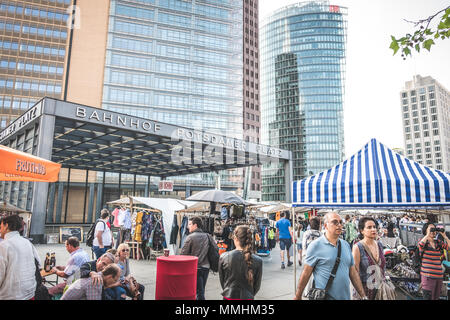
(423, 35)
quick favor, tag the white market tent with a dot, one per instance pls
(375, 177)
(167, 206)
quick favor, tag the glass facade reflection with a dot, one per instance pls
(302, 89)
(178, 62)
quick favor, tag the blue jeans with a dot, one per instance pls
(100, 251)
(202, 277)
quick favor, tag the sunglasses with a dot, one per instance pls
(125, 250)
(337, 222)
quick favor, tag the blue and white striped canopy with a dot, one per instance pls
(376, 176)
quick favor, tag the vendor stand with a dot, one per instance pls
(376, 178)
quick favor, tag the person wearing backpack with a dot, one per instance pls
(431, 272)
(309, 236)
(240, 270)
(103, 239)
(198, 244)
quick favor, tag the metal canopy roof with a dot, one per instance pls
(101, 140)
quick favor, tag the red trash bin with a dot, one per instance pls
(176, 278)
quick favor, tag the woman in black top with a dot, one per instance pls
(240, 270)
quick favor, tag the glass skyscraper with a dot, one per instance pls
(178, 62)
(302, 88)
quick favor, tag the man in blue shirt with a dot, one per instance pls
(77, 258)
(320, 259)
(284, 234)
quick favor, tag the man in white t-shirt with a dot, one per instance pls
(103, 239)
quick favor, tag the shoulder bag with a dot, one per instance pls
(322, 294)
(386, 289)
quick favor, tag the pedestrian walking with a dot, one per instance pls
(299, 241)
(332, 276)
(240, 270)
(351, 231)
(308, 237)
(431, 250)
(284, 235)
(197, 244)
(368, 253)
(17, 262)
(103, 239)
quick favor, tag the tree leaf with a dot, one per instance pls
(428, 32)
(406, 51)
(394, 46)
(428, 43)
(417, 47)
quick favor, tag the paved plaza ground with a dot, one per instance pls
(277, 284)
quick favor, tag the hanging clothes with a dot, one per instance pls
(184, 231)
(115, 214)
(138, 229)
(147, 226)
(174, 232)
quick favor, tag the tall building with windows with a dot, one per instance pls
(251, 111)
(425, 107)
(33, 54)
(302, 89)
(175, 61)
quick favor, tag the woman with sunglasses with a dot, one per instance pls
(368, 253)
(431, 271)
(240, 271)
(133, 289)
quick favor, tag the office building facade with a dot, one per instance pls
(174, 61)
(251, 111)
(425, 107)
(302, 84)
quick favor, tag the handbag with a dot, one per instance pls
(322, 294)
(386, 289)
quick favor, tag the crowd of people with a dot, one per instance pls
(106, 278)
(334, 253)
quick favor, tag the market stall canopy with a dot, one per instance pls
(166, 206)
(218, 196)
(375, 177)
(6, 207)
(198, 207)
(20, 166)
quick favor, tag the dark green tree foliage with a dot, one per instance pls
(423, 36)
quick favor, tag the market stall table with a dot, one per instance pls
(45, 275)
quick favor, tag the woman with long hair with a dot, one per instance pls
(240, 270)
(431, 249)
(367, 253)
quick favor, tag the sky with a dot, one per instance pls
(374, 77)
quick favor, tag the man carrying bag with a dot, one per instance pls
(331, 261)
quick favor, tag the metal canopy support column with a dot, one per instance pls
(51, 203)
(85, 196)
(120, 184)
(147, 187)
(67, 196)
(288, 178)
(134, 185)
(40, 189)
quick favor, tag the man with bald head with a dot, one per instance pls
(321, 257)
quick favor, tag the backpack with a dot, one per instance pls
(90, 235)
(41, 291)
(213, 255)
(311, 237)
